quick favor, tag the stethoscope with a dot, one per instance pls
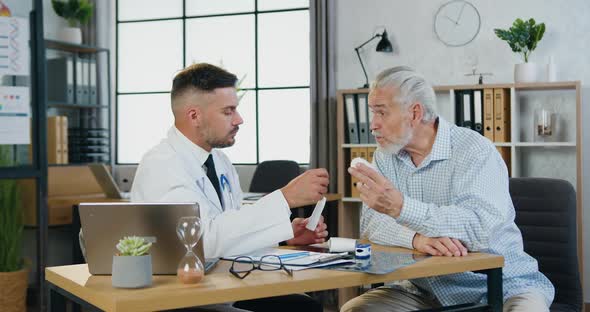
(225, 190)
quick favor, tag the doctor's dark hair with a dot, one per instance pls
(201, 77)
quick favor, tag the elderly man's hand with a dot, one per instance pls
(303, 236)
(376, 191)
(439, 246)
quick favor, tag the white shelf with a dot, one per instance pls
(545, 144)
(498, 144)
(535, 144)
(351, 200)
(358, 145)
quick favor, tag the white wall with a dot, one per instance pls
(410, 25)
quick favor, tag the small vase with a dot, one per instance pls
(71, 35)
(526, 72)
(132, 271)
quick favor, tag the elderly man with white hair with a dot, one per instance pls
(443, 190)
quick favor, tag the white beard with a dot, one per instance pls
(395, 148)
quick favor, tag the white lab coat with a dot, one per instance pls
(170, 172)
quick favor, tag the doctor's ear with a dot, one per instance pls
(195, 115)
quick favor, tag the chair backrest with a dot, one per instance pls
(272, 175)
(546, 215)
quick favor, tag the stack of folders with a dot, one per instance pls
(73, 81)
(89, 145)
(358, 119)
(486, 111)
(57, 140)
(296, 259)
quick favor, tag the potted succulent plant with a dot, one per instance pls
(132, 266)
(13, 273)
(76, 12)
(523, 38)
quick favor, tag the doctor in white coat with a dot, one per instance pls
(204, 103)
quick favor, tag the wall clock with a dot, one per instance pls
(457, 23)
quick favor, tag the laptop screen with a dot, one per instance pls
(104, 224)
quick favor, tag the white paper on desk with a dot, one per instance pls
(257, 254)
(341, 244)
(318, 265)
(309, 258)
(14, 46)
(15, 113)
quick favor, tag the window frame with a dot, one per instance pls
(184, 19)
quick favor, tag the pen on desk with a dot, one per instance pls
(294, 255)
(331, 258)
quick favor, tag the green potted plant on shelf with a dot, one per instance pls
(132, 266)
(76, 12)
(523, 38)
(13, 273)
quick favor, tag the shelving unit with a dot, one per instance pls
(31, 159)
(88, 115)
(561, 158)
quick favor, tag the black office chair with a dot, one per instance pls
(546, 215)
(272, 175)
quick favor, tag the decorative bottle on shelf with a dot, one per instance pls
(544, 125)
(190, 269)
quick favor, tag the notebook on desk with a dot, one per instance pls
(107, 182)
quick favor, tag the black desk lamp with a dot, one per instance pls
(383, 46)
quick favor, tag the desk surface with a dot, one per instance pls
(220, 286)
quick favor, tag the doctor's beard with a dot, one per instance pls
(227, 141)
(394, 148)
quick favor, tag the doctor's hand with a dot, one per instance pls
(307, 188)
(303, 236)
(439, 246)
(376, 191)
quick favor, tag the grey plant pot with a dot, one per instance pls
(132, 271)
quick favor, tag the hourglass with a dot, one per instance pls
(190, 269)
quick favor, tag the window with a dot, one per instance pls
(265, 42)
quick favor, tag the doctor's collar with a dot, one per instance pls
(199, 153)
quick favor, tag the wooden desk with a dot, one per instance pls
(74, 282)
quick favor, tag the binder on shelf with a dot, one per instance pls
(371, 136)
(501, 115)
(61, 87)
(352, 120)
(488, 114)
(78, 82)
(371, 154)
(505, 154)
(92, 91)
(54, 144)
(64, 140)
(85, 81)
(477, 111)
(354, 153)
(467, 109)
(363, 115)
(464, 109)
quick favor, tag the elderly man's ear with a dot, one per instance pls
(416, 112)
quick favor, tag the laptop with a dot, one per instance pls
(107, 182)
(104, 224)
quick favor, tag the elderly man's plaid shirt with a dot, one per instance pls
(461, 191)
